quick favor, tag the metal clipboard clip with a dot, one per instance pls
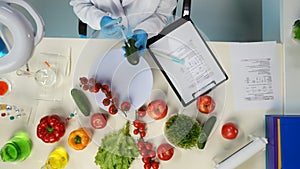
(204, 89)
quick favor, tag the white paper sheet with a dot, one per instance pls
(256, 76)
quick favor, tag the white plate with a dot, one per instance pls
(132, 83)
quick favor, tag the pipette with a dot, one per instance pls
(124, 35)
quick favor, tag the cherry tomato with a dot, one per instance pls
(95, 89)
(109, 94)
(147, 166)
(125, 106)
(165, 151)
(92, 81)
(229, 131)
(98, 85)
(142, 127)
(106, 102)
(155, 165)
(144, 152)
(140, 144)
(142, 134)
(151, 153)
(146, 159)
(148, 146)
(136, 131)
(137, 123)
(83, 80)
(105, 89)
(112, 109)
(85, 87)
(142, 111)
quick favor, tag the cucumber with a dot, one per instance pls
(206, 130)
(81, 101)
(131, 52)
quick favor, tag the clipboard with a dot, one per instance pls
(186, 60)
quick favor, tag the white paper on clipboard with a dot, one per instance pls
(200, 71)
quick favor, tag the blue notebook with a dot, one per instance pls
(287, 155)
(290, 141)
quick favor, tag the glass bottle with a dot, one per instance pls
(57, 159)
(18, 148)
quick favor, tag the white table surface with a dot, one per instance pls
(24, 93)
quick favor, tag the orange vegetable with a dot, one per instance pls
(78, 139)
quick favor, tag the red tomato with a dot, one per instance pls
(105, 89)
(143, 134)
(147, 166)
(140, 144)
(155, 165)
(144, 152)
(112, 109)
(165, 151)
(157, 109)
(205, 104)
(125, 106)
(148, 146)
(136, 131)
(229, 131)
(106, 101)
(83, 80)
(99, 120)
(98, 85)
(146, 159)
(137, 123)
(142, 111)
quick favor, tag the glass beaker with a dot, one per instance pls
(45, 77)
(57, 159)
(18, 148)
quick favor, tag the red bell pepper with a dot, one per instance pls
(51, 128)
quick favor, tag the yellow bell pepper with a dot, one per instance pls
(79, 139)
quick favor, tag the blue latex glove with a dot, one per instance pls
(3, 49)
(141, 37)
(110, 27)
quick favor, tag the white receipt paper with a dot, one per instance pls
(256, 76)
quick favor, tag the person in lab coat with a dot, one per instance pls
(142, 19)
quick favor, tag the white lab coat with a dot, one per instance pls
(149, 15)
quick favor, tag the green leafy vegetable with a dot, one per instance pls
(182, 131)
(296, 29)
(117, 151)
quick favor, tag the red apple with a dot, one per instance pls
(157, 109)
(206, 104)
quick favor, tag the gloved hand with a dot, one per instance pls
(110, 27)
(141, 37)
(3, 48)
